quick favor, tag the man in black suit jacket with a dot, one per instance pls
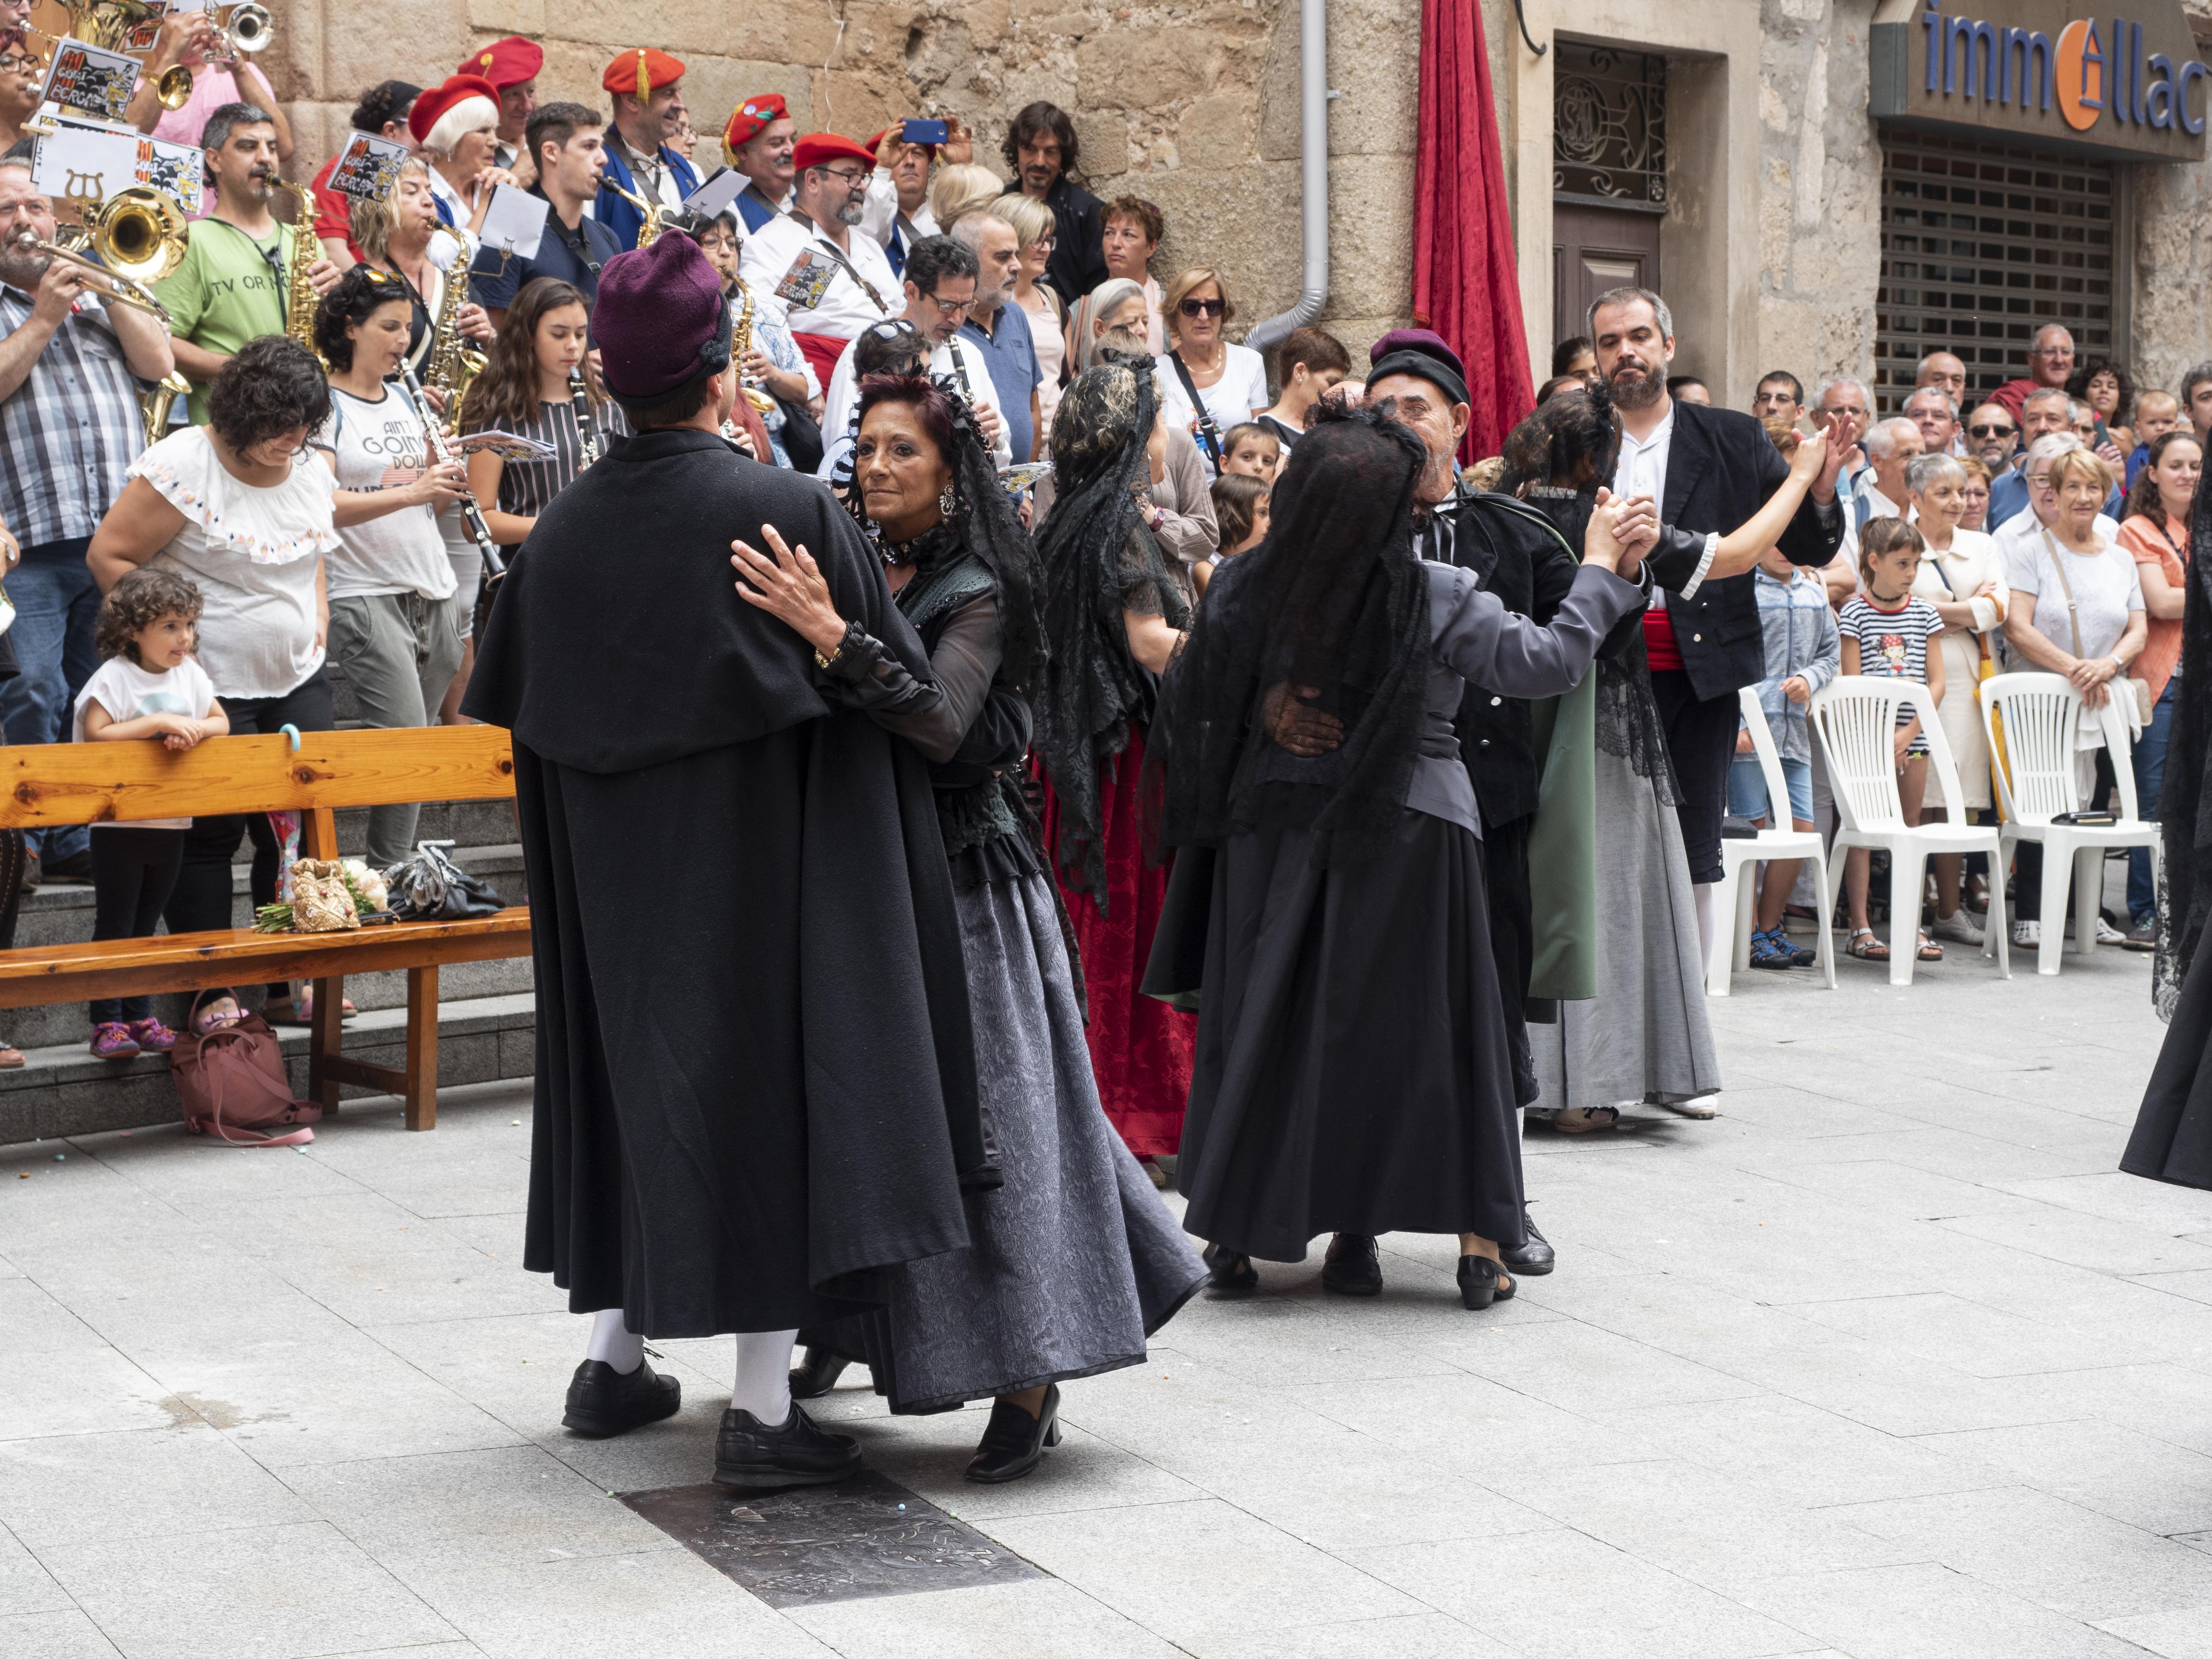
(1710, 469)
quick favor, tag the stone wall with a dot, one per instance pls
(1819, 191)
(1193, 106)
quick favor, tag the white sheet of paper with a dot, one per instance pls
(714, 196)
(80, 162)
(515, 222)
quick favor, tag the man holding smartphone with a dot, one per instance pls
(896, 213)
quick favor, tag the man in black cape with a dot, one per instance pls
(756, 1076)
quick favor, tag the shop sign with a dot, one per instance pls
(2125, 83)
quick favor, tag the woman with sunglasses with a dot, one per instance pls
(1207, 385)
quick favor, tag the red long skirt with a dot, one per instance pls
(1140, 1048)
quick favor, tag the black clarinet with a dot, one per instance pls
(472, 518)
(587, 424)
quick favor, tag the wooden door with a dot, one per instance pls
(1594, 249)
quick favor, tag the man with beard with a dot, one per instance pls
(939, 287)
(816, 259)
(1041, 151)
(758, 142)
(647, 87)
(71, 362)
(752, 1101)
(1709, 469)
(1516, 555)
(230, 288)
(1000, 329)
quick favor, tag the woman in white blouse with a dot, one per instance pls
(1963, 576)
(1230, 382)
(239, 507)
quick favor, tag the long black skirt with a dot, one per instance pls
(2173, 1138)
(1353, 1073)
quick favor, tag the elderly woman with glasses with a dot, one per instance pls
(1033, 222)
(1207, 384)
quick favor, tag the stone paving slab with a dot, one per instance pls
(1885, 1362)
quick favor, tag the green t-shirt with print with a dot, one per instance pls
(228, 289)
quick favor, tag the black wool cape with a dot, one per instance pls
(755, 1074)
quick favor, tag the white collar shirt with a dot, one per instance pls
(845, 306)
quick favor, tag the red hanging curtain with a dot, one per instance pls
(1466, 286)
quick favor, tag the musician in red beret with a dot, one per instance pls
(757, 142)
(642, 157)
(454, 123)
(831, 274)
(511, 65)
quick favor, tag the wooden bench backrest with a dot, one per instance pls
(47, 784)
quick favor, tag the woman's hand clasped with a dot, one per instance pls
(789, 587)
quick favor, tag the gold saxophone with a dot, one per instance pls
(452, 365)
(656, 213)
(299, 299)
(741, 342)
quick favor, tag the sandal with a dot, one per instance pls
(1865, 946)
(300, 1010)
(1581, 1119)
(11, 1057)
(1930, 950)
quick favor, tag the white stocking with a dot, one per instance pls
(762, 1384)
(613, 1343)
(1702, 892)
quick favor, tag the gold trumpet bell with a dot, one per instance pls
(174, 89)
(140, 234)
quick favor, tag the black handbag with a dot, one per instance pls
(801, 437)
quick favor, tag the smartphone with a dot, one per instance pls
(925, 132)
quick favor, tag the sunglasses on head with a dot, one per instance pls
(1202, 307)
(1990, 431)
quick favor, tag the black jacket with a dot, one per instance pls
(1721, 468)
(1078, 264)
(1517, 554)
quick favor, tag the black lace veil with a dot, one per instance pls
(2184, 808)
(1098, 559)
(1332, 610)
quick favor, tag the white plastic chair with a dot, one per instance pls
(2038, 712)
(1856, 720)
(1736, 891)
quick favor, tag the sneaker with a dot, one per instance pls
(112, 1041)
(2143, 936)
(2029, 934)
(1771, 950)
(1958, 928)
(152, 1037)
(2108, 934)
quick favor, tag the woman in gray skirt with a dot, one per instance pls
(1074, 1258)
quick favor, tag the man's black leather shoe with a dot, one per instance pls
(816, 1373)
(1351, 1267)
(794, 1453)
(602, 1400)
(1533, 1259)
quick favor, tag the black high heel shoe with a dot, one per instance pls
(1228, 1271)
(816, 1373)
(1013, 1441)
(1482, 1282)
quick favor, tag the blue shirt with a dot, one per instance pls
(1015, 371)
(495, 278)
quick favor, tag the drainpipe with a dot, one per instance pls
(1314, 96)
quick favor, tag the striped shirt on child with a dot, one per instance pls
(1893, 645)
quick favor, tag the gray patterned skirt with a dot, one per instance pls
(1075, 1260)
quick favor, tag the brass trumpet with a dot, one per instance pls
(243, 29)
(138, 236)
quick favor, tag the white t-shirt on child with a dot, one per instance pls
(126, 692)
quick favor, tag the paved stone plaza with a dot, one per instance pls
(1885, 1361)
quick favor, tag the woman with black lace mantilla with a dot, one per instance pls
(1646, 1035)
(1074, 1258)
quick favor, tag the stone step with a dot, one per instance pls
(63, 1090)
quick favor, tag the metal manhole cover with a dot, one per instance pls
(840, 1543)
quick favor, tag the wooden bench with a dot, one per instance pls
(48, 785)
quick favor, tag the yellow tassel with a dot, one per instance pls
(644, 78)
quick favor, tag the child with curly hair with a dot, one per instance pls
(147, 687)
